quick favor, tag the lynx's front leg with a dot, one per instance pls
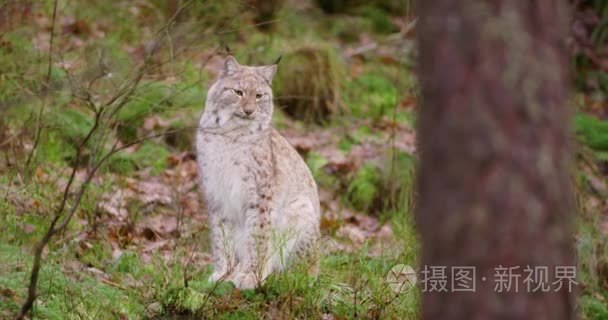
(221, 246)
(253, 266)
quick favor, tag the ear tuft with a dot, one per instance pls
(278, 59)
(268, 72)
(230, 65)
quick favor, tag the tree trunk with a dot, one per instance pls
(495, 155)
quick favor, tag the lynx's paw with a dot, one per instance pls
(245, 280)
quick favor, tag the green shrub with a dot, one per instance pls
(593, 308)
(71, 125)
(308, 83)
(148, 155)
(364, 188)
(316, 163)
(149, 99)
(184, 300)
(592, 131)
(372, 95)
(379, 18)
(65, 130)
(388, 187)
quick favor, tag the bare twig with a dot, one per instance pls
(192, 251)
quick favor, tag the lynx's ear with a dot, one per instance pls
(230, 65)
(267, 72)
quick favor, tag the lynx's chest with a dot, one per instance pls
(223, 172)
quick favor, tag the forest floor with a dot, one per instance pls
(137, 246)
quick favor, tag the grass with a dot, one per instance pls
(148, 155)
(295, 294)
(372, 95)
(84, 279)
(593, 266)
(381, 188)
(349, 284)
(363, 189)
(61, 296)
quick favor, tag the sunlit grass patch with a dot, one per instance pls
(348, 285)
(62, 296)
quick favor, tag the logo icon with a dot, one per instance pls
(401, 278)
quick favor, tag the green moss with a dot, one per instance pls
(354, 138)
(240, 314)
(190, 94)
(593, 308)
(386, 188)
(128, 263)
(61, 296)
(183, 99)
(363, 189)
(17, 58)
(316, 163)
(592, 131)
(148, 155)
(371, 95)
(149, 99)
(379, 18)
(72, 125)
(98, 255)
(186, 300)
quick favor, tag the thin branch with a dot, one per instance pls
(52, 230)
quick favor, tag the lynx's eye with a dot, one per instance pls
(258, 96)
(238, 92)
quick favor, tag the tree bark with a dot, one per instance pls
(495, 153)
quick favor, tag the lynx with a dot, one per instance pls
(261, 197)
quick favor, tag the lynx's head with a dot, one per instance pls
(240, 98)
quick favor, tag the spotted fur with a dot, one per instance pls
(261, 198)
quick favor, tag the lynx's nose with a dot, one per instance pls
(248, 111)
